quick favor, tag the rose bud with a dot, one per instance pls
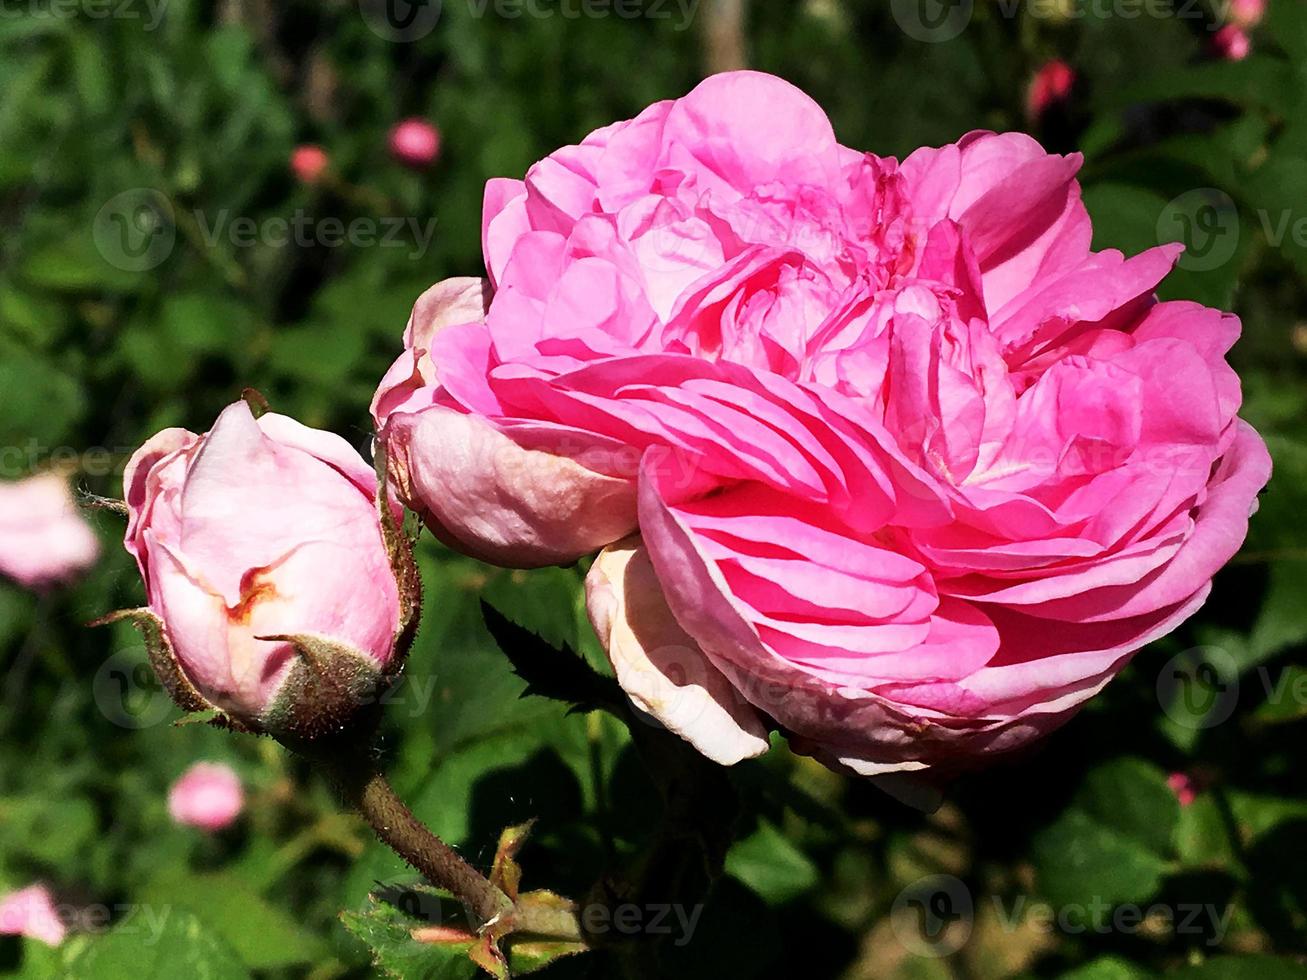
(880, 453)
(274, 582)
(208, 795)
(1051, 86)
(415, 143)
(1184, 786)
(1247, 13)
(31, 912)
(44, 540)
(308, 163)
(1231, 43)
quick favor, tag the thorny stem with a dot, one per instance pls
(368, 791)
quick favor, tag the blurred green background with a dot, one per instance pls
(1076, 860)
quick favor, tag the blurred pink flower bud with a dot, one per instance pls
(415, 143)
(272, 585)
(31, 912)
(43, 538)
(309, 162)
(1184, 787)
(1231, 43)
(208, 795)
(1051, 85)
(1247, 13)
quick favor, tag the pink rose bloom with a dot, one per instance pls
(1231, 43)
(415, 143)
(1051, 85)
(1247, 13)
(879, 452)
(309, 162)
(44, 540)
(208, 795)
(31, 912)
(256, 529)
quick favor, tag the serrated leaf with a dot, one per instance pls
(183, 948)
(388, 934)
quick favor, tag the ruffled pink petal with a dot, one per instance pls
(659, 666)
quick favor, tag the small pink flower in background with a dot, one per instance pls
(208, 795)
(1247, 13)
(309, 162)
(44, 540)
(31, 912)
(259, 528)
(878, 452)
(415, 143)
(1184, 786)
(1050, 86)
(1231, 43)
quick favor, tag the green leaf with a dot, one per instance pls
(260, 933)
(770, 863)
(184, 948)
(559, 674)
(388, 934)
(1243, 968)
(1081, 862)
(1107, 968)
(46, 829)
(1131, 796)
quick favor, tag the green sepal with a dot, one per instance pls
(162, 658)
(330, 688)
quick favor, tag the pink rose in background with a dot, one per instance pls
(1184, 786)
(1051, 85)
(31, 912)
(258, 528)
(1232, 43)
(44, 540)
(208, 795)
(309, 162)
(415, 143)
(880, 452)
(1247, 13)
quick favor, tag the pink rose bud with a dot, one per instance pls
(1184, 787)
(1247, 13)
(1051, 86)
(415, 143)
(31, 912)
(1231, 43)
(44, 539)
(271, 577)
(309, 162)
(208, 795)
(881, 453)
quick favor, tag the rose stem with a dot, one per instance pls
(368, 791)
